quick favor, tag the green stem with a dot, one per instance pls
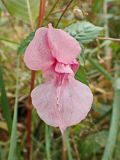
(13, 140)
(30, 14)
(63, 13)
(4, 102)
(53, 7)
(47, 142)
(68, 146)
(114, 126)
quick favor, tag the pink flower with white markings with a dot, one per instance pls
(61, 101)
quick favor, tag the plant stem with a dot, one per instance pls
(68, 146)
(29, 116)
(53, 7)
(109, 38)
(13, 140)
(64, 151)
(4, 102)
(114, 126)
(30, 14)
(63, 13)
(41, 12)
(47, 141)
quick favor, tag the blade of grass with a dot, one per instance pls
(53, 7)
(47, 142)
(69, 3)
(68, 146)
(30, 14)
(4, 102)
(13, 140)
(7, 40)
(100, 68)
(114, 126)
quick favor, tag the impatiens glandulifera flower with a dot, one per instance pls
(61, 101)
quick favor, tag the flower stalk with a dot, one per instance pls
(32, 83)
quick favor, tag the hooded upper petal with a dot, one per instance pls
(63, 47)
(38, 55)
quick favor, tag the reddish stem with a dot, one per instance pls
(32, 83)
(41, 12)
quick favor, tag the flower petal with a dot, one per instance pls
(37, 55)
(63, 47)
(74, 65)
(44, 100)
(76, 101)
(63, 68)
(62, 105)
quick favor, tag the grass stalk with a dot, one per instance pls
(4, 103)
(114, 125)
(47, 142)
(100, 68)
(13, 139)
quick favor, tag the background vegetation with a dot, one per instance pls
(96, 25)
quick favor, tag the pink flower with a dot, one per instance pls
(61, 101)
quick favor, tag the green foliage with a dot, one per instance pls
(81, 75)
(100, 68)
(48, 141)
(92, 144)
(114, 126)
(97, 6)
(83, 31)
(13, 138)
(4, 102)
(21, 10)
(96, 64)
(25, 43)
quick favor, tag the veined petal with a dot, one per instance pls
(62, 105)
(37, 55)
(76, 101)
(44, 100)
(63, 47)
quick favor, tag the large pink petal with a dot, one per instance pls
(37, 55)
(76, 101)
(64, 104)
(63, 47)
(44, 100)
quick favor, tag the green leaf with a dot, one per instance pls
(4, 102)
(25, 43)
(97, 5)
(81, 75)
(13, 139)
(92, 144)
(25, 10)
(84, 31)
(48, 142)
(100, 68)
